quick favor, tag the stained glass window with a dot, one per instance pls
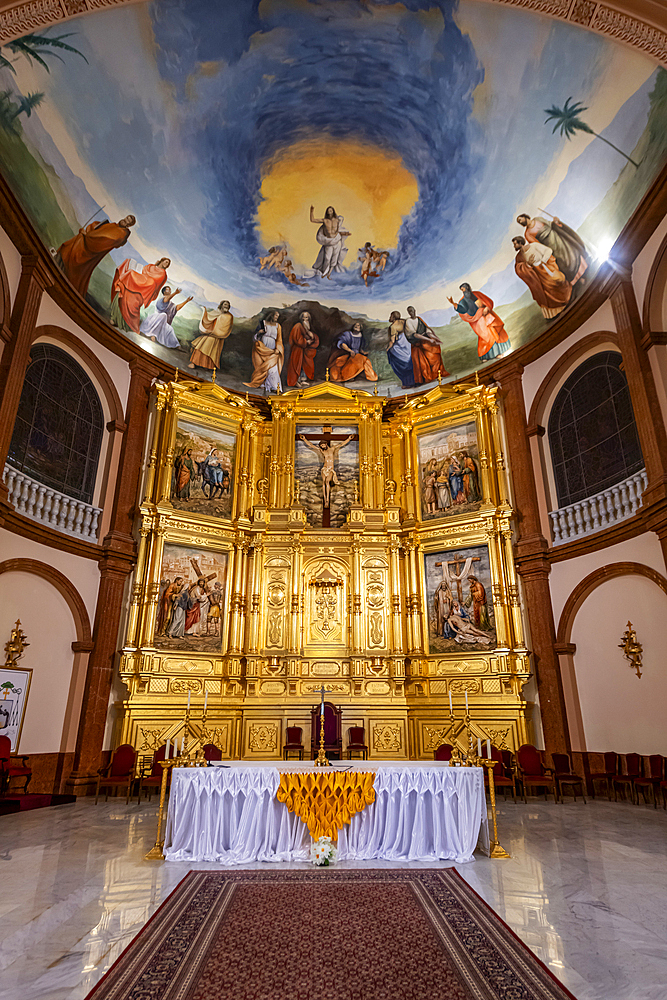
(59, 425)
(592, 431)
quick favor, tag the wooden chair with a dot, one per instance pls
(443, 752)
(610, 771)
(212, 752)
(333, 739)
(151, 777)
(294, 742)
(651, 780)
(119, 773)
(565, 776)
(632, 771)
(11, 768)
(502, 776)
(533, 773)
(356, 742)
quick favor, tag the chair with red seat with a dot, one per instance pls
(444, 752)
(651, 780)
(356, 742)
(610, 771)
(151, 777)
(333, 737)
(212, 752)
(663, 785)
(627, 780)
(532, 772)
(11, 768)
(565, 776)
(502, 777)
(294, 742)
(119, 773)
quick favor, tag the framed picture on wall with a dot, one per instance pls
(191, 599)
(449, 476)
(204, 469)
(460, 608)
(14, 689)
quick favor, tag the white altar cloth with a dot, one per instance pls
(230, 814)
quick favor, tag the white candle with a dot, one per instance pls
(183, 745)
(479, 747)
(168, 748)
(466, 701)
(205, 701)
(488, 749)
(451, 710)
(188, 699)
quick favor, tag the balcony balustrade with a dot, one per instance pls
(41, 503)
(599, 511)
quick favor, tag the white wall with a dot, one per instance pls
(619, 710)
(12, 261)
(47, 621)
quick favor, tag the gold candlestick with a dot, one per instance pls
(496, 850)
(156, 852)
(321, 760)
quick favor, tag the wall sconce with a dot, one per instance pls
(632, 649)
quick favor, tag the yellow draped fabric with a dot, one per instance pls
(326, 800)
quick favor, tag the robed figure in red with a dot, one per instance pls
(304, 343)
(134, 287)
(82, 253)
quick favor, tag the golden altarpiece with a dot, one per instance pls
(399, 597)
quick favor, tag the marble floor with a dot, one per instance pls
(585, 889)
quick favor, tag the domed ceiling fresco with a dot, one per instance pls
(385, 193)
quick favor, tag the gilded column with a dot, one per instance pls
(408, 477)
(255, 596)
(357, 638)
(395, 584)
(295, 610)
(133, 636)
(238, 594)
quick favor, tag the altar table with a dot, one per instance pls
(229, 814)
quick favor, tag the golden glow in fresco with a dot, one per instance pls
(372, 189)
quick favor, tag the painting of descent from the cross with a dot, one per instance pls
(326, 466)
(269, 189)
(449, 473)
(202, 480)
(460, 606)
(191, 599)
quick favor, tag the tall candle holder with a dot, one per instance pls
(156, 852)
(322, 760)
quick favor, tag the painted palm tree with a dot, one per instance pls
(36, 47)
(568, 121)
(14, 105)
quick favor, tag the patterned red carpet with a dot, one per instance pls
(376, 934)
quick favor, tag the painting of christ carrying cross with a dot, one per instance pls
(460, 609)
(326, 465)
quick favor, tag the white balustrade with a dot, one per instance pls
(32, 499)
(600, 511)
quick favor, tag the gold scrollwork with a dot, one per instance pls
(181, 685)
(263, 738)
(387, 738)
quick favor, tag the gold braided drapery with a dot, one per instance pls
(325, 801)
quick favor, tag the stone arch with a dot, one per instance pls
(590, 583)
(617, 20)
(84, 638)
(654, 309)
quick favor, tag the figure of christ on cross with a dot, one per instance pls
(458, 562)
(327, 452)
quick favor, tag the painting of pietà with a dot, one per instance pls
(460, 607)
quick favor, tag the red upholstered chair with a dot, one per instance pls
(651, 780)
(565, 776)
(151, 777)
(663, 785)
(356, 742)
(212, 752)
(119, 773)
(444, 752)
(333, 739)
(502, 777)
(12, 766)
(610, 771)
(627, 780)
(294, 742)
(532, 772)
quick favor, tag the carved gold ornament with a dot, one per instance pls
(632, 648)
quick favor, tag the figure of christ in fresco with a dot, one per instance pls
(330, 236)
(167, 601)
(462, 628)
(158, 326)
(267, 355)
(303, 343)
(347, 359)
(274, 258)
(426, 351)
(184, 474)
(536, 265)
(215, 326)
(327, 452)
(134, 286)
(566, 245)
(477, 601)
(81, 254)
(399, 351)
(477, 310)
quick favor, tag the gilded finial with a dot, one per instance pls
(176, 375)
(476, 378)
(246, 398)
(356, 491)
(375, 390)
(327, 374)
(439, 378)
(215, 372)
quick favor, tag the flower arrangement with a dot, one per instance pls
(323, 852)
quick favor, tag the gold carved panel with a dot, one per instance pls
(181, 685)
(387, 738)
(263, 737)
(273, 687)
(159, 685)
(378, 687)
(325, 669)
(193, 666)
(434, 736)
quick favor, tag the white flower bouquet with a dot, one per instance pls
(323, 852)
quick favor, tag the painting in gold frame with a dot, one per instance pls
(204, 468)
(191, 599)
(449, 476)
(460, 608)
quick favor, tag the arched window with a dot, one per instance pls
(592, 431)
(59, 424)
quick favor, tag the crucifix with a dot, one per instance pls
(458, 562)
(322, 760)
(327, 451)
